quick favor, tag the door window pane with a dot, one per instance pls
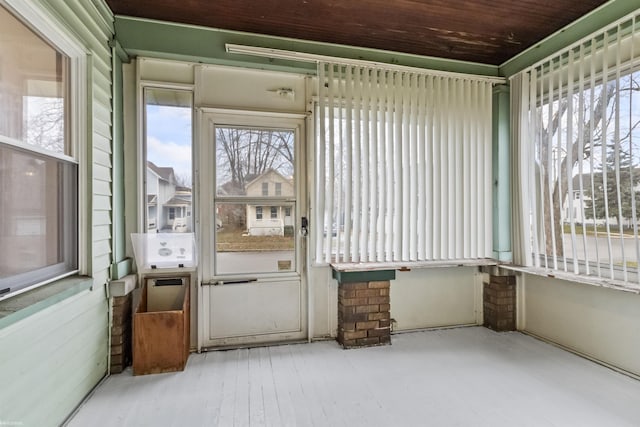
(249, 161)
(248, 243)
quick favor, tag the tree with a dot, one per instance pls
(597, 113)
(44, 123)
(617, 186)
(244, 153)
(594, 118)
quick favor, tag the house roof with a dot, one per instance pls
(484, 31)
(257, 177)
(165, 173)
(178, 201)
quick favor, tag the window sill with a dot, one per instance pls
(406, 266)
(575, 278)
(14, 309)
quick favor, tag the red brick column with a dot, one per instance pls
(120, 334)
(363, 314)
(499, 303)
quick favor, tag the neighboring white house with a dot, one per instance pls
(579, 213)
(269, 219)
(168, 204)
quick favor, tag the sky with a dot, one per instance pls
(169, 138)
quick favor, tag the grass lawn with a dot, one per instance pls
(590, 229)
(233, 241)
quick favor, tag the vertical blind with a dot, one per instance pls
(403, 166)
(576, 116)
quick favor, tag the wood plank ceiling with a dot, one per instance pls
(484, 31)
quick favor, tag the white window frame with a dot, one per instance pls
(603, 57)
(47, 25)
(141, 149)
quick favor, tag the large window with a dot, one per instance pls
(579, 156)
(403, 166)
(38, 164)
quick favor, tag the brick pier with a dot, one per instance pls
(121, 322)
(121, 334)
(499, 303)
(364, 307)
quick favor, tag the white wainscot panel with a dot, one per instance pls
(256, 308)
(426, 298)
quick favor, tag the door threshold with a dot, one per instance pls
(253, 345)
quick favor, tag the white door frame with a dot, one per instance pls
(205, 174)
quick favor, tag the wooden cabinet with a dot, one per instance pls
(161, 325)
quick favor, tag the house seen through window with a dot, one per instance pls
(168, 166)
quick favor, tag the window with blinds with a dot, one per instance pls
(403, 166)
(576, 118)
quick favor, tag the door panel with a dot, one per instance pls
(258, 308)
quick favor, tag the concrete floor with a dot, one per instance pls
(455, 377)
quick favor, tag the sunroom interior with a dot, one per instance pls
(424, 184)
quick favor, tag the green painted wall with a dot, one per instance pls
(53, 357)
(501, 175)
(54, 351)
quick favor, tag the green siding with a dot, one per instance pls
(52, 359)
(54, 351)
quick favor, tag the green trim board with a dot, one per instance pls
(167, 40)
(600, 17)
(501, 174)
(21, 306)
(362, 276)
(121, 265)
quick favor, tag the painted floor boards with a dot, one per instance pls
(454, 377)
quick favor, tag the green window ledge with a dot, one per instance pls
(21, 306)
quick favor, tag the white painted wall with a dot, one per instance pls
(427, 298)
(601, 323)
(239, 88)
(421, 298)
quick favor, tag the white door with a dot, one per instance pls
(251, 244)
